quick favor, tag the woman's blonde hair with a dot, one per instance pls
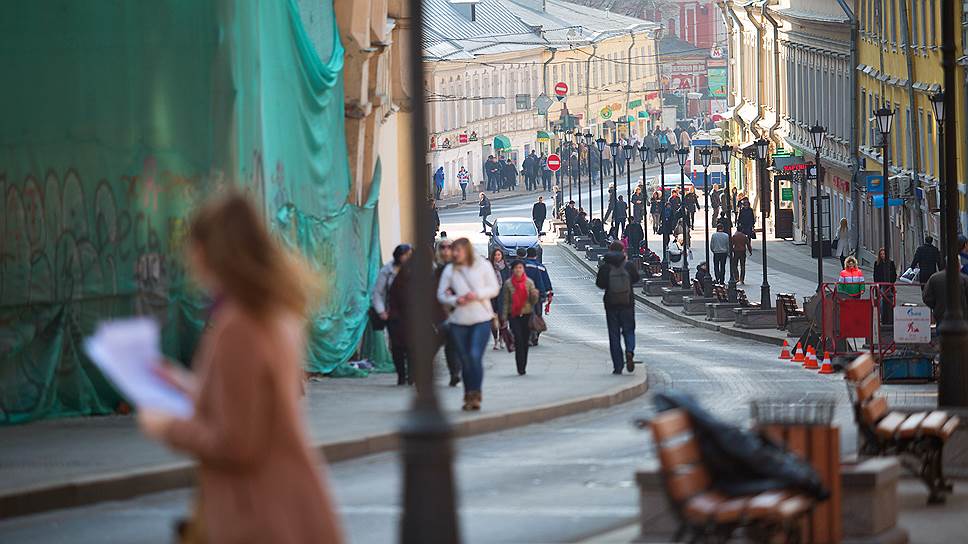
(850, 261)
(465, 244)
(251, 267)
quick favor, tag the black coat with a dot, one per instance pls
(885, 272)
(570, 215)
(539, 211)
(485, 207)
(928, 259)
(746, 221)
(635, 234)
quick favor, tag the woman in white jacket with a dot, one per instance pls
(468, 284)
(843, 242)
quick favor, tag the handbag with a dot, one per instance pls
(537, 323)
(910, 275)
(376, 321)
(507, 338)
(834, 244)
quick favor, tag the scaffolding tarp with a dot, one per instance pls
(118, 119)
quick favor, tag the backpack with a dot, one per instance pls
(619, 292)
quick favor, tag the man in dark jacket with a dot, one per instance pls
(636, 234)
(538, 273)
(538, 213)
(611, 200)
(526, 167)
(746, 220)
(493, 170)
(510, 175)
(571, 216)
(935, 294)
(928, 259)
(620, 217)
(484, 207)
(616, 276)
(691, 202)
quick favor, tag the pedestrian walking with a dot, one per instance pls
(463, 178)
(851, 282)
(670, 218)
(611, 201)
(571, 221)
(526, 170)
(558, 196)
(444, 257)
(746, 221)
(259, 478)
(741, 248)
(842, 242)
(396, 327)
(538, 273)
(691, 202)
(927, 259)
(501, 273)
(510, 173)
(438, 182)
(719, 246)
(435, 214)
(468, 285)
(545, 173)
(655, 208)
(538, 213)
(519, 296)
(484, 210)
(620, 217)
(616, 276)
(716, 200)
(935, 295)
(634, 234)
(638, 205)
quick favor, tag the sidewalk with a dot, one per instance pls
(70, 462)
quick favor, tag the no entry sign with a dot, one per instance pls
(561, 89)
(554, 162)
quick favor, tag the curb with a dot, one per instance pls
(132, 483)
(473, 202)
(700, 323)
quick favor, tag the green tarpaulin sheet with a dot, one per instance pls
(119, 118)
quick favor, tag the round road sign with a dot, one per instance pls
(554, 162)
(561, 88)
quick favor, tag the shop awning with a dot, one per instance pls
(635, 104)
(643, 115)
(502, 142)
(543, 136)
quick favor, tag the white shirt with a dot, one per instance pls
(457, 281)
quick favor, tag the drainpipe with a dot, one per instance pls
(628, 89)
(733, 22)
(544, 80)
(759, 72)
(852, 137)
(776, 74)
(588, 82)
(915, 129)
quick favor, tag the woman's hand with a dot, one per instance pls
(154, 423)
(178, 377)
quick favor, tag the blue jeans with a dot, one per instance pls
(621, 324)
(470, 342)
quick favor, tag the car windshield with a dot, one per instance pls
(515, 228)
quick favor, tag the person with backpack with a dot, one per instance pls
(616, 276)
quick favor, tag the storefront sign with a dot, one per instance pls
(841, 184)
(912, 325)
(462, 138)
(786, 194)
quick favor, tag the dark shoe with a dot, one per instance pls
(454, 380)
(617, 371)
(522, 372)
(467, 402)
(629, 364)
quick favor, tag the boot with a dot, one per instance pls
(475, 400)
(468, 402)
(629, 363)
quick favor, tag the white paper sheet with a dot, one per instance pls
(127, 352)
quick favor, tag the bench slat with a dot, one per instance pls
(889, 425)
(702, 507)
(860, 368)
(687, 484)
(670, 423)
(909, 429)
(934, 421)
(949, 428)
(874, 410)
(868, 387)
(685, 453)
(761, 505)
(732, 510)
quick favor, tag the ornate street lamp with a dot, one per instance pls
(600, 143)
(705, 157)
(682, 155)
(566, 135)
(643, 155)
(885, 118)
(817, 135)
(725, 154)
(578, 138)
(661, 153)
(614, 192)
(762, 152)
(629, 151)
(589, 139)
(429, 514)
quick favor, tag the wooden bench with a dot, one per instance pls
(704, 513)
(653, 270)
(786, 309)
(697, 287)
(720, 293)
(918, 439)
(743, 301)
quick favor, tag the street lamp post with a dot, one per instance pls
(589, 139)
(762, 151)
(629, 149)
(661, 153)
(818, 134)
(614, 149)
(578, 138)
(600, 143)
(725, 154)
(937, 102)
(571, 171)
(953, 377)
(429, 506)
(705, 155)
(885, 118)
(643, 152)
(682, 155)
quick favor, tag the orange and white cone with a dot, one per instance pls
(798, 354)
(826, 367)
(785, 351)
(811, 362)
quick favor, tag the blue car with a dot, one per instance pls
(510, 233)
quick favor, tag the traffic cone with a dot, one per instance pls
(785, 351)
(811, 362)
(826, 367)
(798, 354)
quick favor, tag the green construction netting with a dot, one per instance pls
(118, 118)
